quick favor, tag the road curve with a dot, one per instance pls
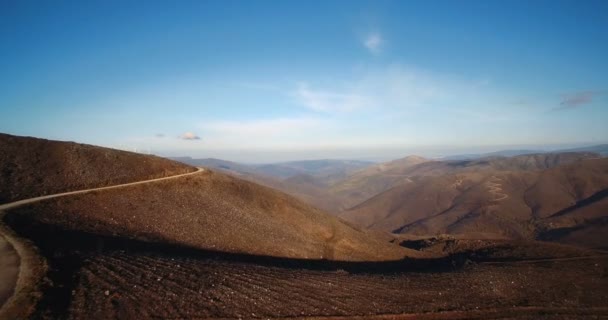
(19, 203)
(17, 249)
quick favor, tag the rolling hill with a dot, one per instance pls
(209, 245)
(32, 167)
(307, 180)
(601, 149)
(209, 210)
(517, 197)
(369, 182)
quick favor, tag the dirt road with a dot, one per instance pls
(15, 254)
(9, 269)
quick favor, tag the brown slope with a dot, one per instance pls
(308, 188)
(374, 180)
(507, 203)
(303, 187)
(366, 183)
(211, 211)
(32, 167)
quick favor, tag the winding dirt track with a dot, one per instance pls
(20, 253)
(495, 188)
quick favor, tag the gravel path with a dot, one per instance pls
(14, 271)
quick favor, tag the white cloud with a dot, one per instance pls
(189, 136)
(262, 133)
(327, 101)
(397, 90)
(373, 42)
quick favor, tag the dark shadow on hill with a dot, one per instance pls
(556, 234)
(67, 250)
(583, 203)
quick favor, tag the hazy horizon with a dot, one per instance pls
(272, 81)
(374, 155)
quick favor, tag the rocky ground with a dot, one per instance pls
(118, 279)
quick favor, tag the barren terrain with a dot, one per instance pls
(207, 245)
(513, 204)
(32, 167)
(131, 279)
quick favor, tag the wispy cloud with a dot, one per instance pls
(577, 99)
(160, 135)
(398, 90)
(260, 127)
(328, 101)
(374, 42)
(261, 133)
(189, 136)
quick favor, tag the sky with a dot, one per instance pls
(268, 81)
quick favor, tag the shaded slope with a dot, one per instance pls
(136, 284)
(32, 167)
(212, 211)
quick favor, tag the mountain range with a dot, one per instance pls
(491, 197)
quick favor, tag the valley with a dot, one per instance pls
(198, 243)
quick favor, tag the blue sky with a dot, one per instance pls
(261, 81)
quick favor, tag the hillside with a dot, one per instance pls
(32, 167)
(211, 211)
(376, 179)
(601, 149)
(209, 245)
(326, 171)
(512, 203)
(306, 180)
(365, 183)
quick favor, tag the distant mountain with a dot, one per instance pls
(367, 183)
(555, 196)
(208, 210)
(502, 153)
(326, 170)
(306, 180)
(601, 149)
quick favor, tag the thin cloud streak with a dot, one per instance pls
(578, 99)
(327, 101)
(374, 42)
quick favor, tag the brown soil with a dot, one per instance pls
(9, 269)
(570, 198)
(369, 182)
(212, 246)
(31, 167)
(215, 212)
(129, 279)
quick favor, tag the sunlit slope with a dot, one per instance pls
(508, 203)
(216, 212)
(31, 167)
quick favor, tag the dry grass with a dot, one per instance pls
(216, 212)
(31, 167)
(514, 204)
